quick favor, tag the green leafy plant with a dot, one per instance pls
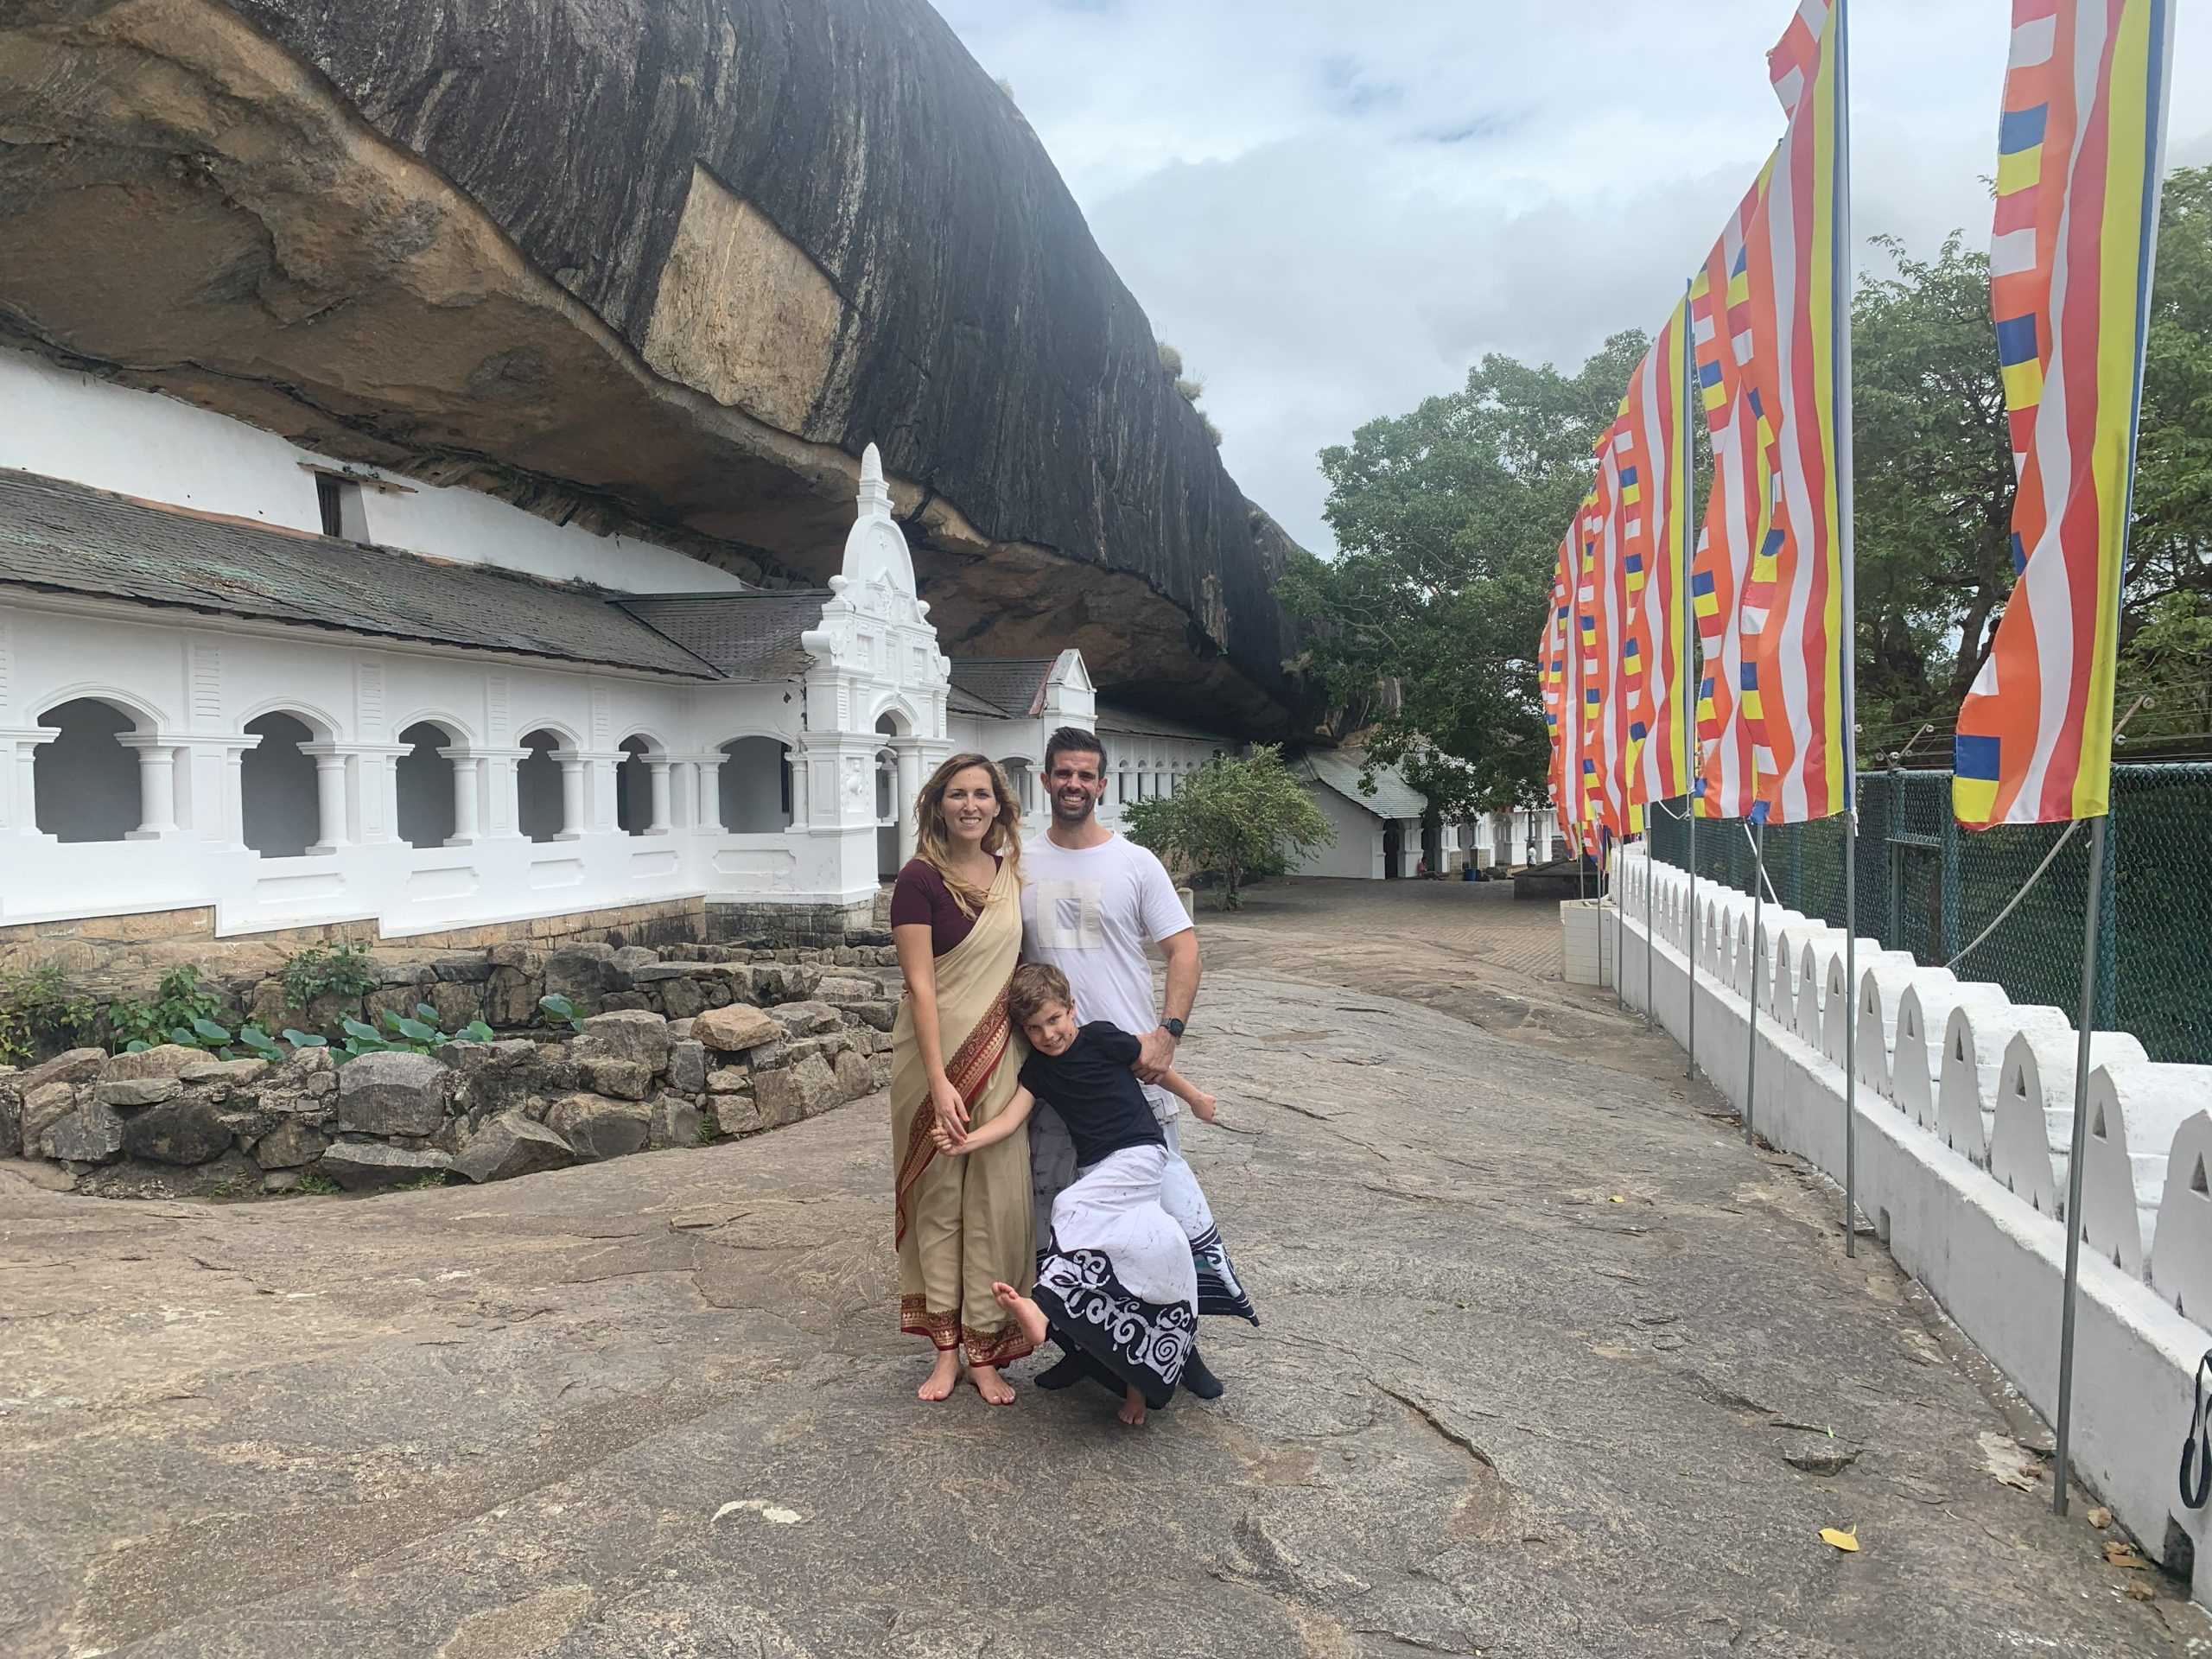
(559, 1011)
(38, 1015)
(318, 1183)
(178, 1004)
(1236, 818)
(326, 969)
(222, 1042)
(401, 1034)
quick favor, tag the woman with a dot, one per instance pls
(961, 1223)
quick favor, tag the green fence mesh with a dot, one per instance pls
(1927, 886)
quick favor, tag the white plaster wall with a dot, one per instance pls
(1358, 851)
(1994, 1262)
(194, 688)
(67, 425)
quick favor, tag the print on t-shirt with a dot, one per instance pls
(1069, 915)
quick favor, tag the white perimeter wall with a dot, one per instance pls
(1994, 1261)
(67, 425)
(1357, 851)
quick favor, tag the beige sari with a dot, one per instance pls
(961, 1222)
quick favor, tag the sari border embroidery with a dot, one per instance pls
(915, 1320)
(969, 1070)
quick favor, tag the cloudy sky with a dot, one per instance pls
(1334, 207)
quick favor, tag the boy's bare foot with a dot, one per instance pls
(989, 1383)
(1026, 1313)
(1132, 1411)
(939, 1384)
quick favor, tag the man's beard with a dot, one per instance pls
(1082, 814)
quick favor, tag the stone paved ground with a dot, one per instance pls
(1543, 1338)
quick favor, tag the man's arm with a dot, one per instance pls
(1158, 1052)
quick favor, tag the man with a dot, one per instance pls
(1090, 900)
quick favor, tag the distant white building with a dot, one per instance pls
(240, 680)
(1379, 822)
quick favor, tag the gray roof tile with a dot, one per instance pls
(749, 636)
(1014, 685)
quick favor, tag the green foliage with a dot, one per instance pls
(401, 1034)
(38, 1016)
(1171, 361)
(324, 970)
(1448, 521)
(179, 1004)
(318, 1184)
(559, 1011)
(1236, 818)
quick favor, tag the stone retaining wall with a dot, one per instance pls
(671, 1053)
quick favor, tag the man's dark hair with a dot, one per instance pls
(1077, 740)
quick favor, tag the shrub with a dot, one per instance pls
(1235, 818)
(400, 1035)
(323, 969)
(39, 1016)
(179, 1005)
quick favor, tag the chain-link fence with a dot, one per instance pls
(1927, 886)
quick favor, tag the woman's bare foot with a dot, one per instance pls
(1026, 1313)
(943, 1376)
(989, 1383)
(1132, 1411)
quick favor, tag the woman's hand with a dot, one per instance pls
(951, 1110)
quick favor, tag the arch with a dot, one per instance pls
(633, 786)
(145, 717)
(895, 717)
(85, 782)
(1022, 780)
(280, 812)
(564, 736)
(648, 744)
(321, 729)
(457, 733)
(754, 784)
(541, 806)
(888, 809)
(425, 783)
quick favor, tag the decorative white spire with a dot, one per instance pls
(875, 548)
(876, 494)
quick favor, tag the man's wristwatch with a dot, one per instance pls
(1173, 1028)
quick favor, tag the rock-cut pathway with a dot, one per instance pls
(1553, 1366)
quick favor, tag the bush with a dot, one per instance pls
(38, 1016)
(323, 969)
(179, 1004)
(1235, 818)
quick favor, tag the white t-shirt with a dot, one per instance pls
(1089, 913)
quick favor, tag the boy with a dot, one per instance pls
(1117, 1283)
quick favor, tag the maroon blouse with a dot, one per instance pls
(921, 898)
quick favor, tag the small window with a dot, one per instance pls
(340, 503)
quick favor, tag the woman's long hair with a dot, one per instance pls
(933, 838)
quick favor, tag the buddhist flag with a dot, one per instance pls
(1654, 521)
(1720, 333)
(1596, 609)
(2080, 156)
(1792, 689)
(1552, 676)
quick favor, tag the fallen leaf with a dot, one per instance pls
(1617, 1198)
(2119, 1553)
(761, 1507)
(2101, 1517)
(2139, 1591)
(1846, 1541)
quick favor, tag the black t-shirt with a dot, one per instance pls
(1094, 1092)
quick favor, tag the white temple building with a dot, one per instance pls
(238, 678)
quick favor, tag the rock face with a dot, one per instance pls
(663, 269)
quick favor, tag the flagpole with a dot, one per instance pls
(2090, 918)
(1842, 253)
(1759, 966)
(1650, 1008)
(1687, 598)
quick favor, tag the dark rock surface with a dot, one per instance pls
(662, 268)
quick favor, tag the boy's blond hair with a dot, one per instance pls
(1036, 987)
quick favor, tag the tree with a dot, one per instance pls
(1236, 818)
(1449, 522)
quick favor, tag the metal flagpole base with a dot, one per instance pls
(2073, 1218)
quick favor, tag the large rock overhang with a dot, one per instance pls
(664, 268)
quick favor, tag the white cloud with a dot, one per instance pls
(1334, 209)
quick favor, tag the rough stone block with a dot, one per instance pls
(518, 958)
(679, 1031)
(681, 998)
(676, 1122)
(225, 1075)
(137, 1091)
(797, 1091)
(632, 956)
(392, 1093)
(604, 1074)
(458, 1001)
(735, 1028)
(628, 1035)
(599, 1129)
(389, 999)
(164, 1060)
(584, 974)
(364, 1165)
(855, 1077)
(509, 1145)
(730, 1080)
(842, 990)
(687, 1067)
(469, 968)
(290, 1145)
(879, 1015)
(739, 1115)
(90, 1134)
(188, 1130)
(511, 998)
(44, 1105)
(806, 1018)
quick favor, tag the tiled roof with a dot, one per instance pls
(740, 636)
(68, 539)
(958, 702)
(1339, 770)
(1012, 685)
